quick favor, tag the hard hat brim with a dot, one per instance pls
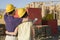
(10, 10)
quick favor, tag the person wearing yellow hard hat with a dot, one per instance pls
(12, 22)
(24, 27)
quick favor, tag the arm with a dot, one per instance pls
(13, 33)
(16, 29)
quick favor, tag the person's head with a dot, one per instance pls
(22, 13)
(25, 15)
(10, 9)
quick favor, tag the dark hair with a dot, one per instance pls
(25, 15)
(11, 12)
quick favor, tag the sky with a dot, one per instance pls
(18, 3)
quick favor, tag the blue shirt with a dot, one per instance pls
(11, 22)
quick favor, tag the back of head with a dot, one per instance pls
(9, 8)
(21, 12)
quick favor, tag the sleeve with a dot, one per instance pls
(18, 21)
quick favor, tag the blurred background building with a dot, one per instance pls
(47, 7)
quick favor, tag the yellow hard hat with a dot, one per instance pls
(21, 12)
(9, 8)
